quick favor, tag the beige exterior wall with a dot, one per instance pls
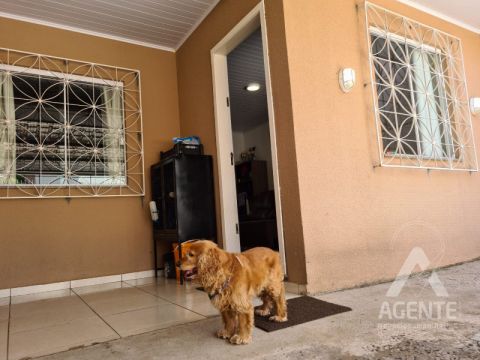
(346, 223)
(360, 223)
(51, 240)
(197, 112)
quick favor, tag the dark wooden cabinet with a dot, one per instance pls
(251, 180)
(182, 188)
(256, 206)
(252, 177)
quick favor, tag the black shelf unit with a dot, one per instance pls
(256, 206)
(182, 188)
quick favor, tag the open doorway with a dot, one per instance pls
(250, 212)
(251, 144)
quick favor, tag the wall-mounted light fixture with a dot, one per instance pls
(475, 105)
(153, 210)
(253, 86)
(346, 79)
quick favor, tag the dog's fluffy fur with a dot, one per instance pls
(232, 280)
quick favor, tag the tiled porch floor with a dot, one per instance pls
(40, 324)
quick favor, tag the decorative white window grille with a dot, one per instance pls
(419, 93)
(68, 128)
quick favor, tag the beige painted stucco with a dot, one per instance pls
(52, 240)
(197, 110)
(360, 222)
(346, 222)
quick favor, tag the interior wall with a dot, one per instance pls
(238, 144)
(51, 240)
(195, 88)
(360, 221)
(258, 137)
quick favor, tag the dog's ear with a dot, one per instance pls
(209, 260)
(209, 265)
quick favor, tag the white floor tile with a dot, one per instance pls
(58, 338)
(46, 313)
(100, 287)
(120, 300)
(143, 320)
(170, 290)
(196, 301)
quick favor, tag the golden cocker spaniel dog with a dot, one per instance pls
(233, 280)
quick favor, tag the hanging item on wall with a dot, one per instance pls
(249, 154)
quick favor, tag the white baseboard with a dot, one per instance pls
(27, 290)
(5, 293)
(35, 289)
(295, 288)
(95, 281)
(139, 275)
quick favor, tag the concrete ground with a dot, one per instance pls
(438, 327)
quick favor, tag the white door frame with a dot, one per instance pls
(223, 128)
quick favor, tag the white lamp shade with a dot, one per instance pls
(475, 105)
(346, 79)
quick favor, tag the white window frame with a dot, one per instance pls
(73, 77)
(84, 79)
(459, 150)
(427, 48)
(132, 180)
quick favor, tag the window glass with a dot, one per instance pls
(67, 132)
(419, 94)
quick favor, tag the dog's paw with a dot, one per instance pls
(223, 334)
(238, 340)
(262, 312)
(277, 318)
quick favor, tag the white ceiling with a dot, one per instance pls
(166, 24)
(465, 13)
(163, 24)
(245, 65)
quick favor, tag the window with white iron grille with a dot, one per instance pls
(68, 128)
(420, 94)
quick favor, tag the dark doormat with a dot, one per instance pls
(301, 310)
